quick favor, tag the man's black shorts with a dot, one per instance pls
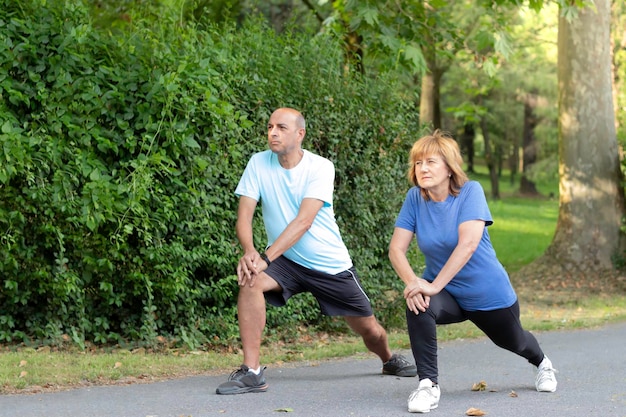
(337, 295)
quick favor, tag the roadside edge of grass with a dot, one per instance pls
(27, 371)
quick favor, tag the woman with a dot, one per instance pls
(463, 280)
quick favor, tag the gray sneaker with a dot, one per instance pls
(399, 366)
(243, 380)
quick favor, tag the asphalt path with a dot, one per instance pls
(591, 382)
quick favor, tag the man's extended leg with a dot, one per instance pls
(375, 339)
(373, 334)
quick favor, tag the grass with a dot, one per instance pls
(523, 228)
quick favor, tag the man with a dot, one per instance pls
(305, 252)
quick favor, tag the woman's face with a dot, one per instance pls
(432, 173)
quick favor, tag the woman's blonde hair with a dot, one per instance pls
(442, 144)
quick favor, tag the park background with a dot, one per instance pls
(125, 126)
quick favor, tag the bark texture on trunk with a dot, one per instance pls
(490, 161)
(467, 146)
(591, 200)
(430, 106)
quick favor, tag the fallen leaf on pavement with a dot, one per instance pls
(474, 412)
(479, 386)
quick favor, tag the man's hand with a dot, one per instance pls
(249, 267)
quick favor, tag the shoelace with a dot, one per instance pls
(399, 362)
(237, 373)
(403, 362)
(416, 393)
(546, 374)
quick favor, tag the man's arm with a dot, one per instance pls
(251, 264)
(296, 229)
(245, 215)
(243, 227)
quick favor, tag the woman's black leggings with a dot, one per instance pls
(502, 326)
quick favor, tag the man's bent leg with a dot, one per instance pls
(251, 312)
(252, 315)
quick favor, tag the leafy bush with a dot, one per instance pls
(120, 154)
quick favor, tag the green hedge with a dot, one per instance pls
(120, 154)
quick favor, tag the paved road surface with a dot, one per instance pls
(592, 382)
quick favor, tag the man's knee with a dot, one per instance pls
(248, 291)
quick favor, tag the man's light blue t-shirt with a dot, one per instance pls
(281, 192)
(483, 283)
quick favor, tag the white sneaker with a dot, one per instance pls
(425, 397)
(546, 380)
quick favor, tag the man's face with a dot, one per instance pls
(283, 134)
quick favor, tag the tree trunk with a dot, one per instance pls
(490, 161)
(591, 201)
(430, 106)
(467, 145)
(514, 158)
(529, 155)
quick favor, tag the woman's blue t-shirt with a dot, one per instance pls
(483, 283)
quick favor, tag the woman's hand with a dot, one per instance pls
(421, 286)
(417, 295)
(418, 303)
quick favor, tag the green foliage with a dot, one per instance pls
(120, 153)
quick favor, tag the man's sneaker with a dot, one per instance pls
(243, 380)
(546, 380)
(399, 366)
(425, 397)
